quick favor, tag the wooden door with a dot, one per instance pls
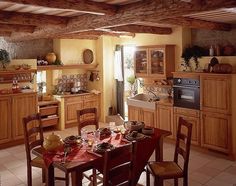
(157, 61)
(22, 106)
(5, 116)
(216, 93)
(134, 113)
(165, 118)
(71, 106)
(148, 117)
(195, 127)
(216, 131)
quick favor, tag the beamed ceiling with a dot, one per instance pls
(88, 19)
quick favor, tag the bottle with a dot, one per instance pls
(211, 51)
(15, 85)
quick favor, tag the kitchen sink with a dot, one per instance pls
(143, 101)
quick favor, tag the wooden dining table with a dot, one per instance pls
(145, 148)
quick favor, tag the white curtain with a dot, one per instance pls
(118, 66)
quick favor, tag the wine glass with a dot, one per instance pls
(96, 134)
(84, 135)
(112, 126)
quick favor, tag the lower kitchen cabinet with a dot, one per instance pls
(191, 116)
(13, 109)
(5, 115)
(148, 116)
(165, 118)
(216, 131)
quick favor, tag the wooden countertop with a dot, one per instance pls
(72, 95)
(16, 94)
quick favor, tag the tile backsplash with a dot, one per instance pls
(66, 82)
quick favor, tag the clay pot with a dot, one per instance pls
(52, 142)
(51, 58)
(222, 68)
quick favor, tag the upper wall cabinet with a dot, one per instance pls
(155, 61)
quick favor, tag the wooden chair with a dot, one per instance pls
(118, 165)
(92, 119)
(172, 170)
(32, 127)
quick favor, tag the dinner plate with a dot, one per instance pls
(72, 140)
(102, 147)
(139, 136)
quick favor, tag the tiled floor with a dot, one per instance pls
(205, 168)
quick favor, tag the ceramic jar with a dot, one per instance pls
(51, 58)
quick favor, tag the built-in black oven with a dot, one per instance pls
(187, 93)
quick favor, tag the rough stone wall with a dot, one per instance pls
(27, 49)
(206, 38)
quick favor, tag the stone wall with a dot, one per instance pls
(27, 49)
(206, 38)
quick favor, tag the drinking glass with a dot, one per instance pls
(96, 136)
(112, 126)
(84, 135)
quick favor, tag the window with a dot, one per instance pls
(41, 81)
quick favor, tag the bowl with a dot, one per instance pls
(148, 130)
(134, 125)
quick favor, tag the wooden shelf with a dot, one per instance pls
(62, 67)
(17, 71)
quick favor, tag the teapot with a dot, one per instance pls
(52, 142)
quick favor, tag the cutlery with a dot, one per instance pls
(66, 152)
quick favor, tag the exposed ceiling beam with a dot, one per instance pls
(90, 37)
(83, 6)
(153, 11)
(17, 28)
(5, 33)
(31, 19)
(142, 29)
(195, 23)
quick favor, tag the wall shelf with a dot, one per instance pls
(62, 67)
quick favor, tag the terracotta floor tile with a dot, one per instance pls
(200, 177)
(212, 172)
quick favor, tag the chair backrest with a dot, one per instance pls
(183, 142)
(32, 126)
(91, 119)
(118, 164)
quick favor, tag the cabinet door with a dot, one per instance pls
(91, 101)
(141, 62)
(165, 118)
(71, 111)
(5, 115)
(195, 127)
(148, 117)
(215, 94)
(157, 60)
(22, 106)
(134, 113)
(215, 131)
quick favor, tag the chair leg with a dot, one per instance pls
(185, 181)
(94, 177)
(176, 182)
(43, 175)
(147, 177)
(158, 181)
(67, 179)
(29, 175)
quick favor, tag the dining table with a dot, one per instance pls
(84, 158)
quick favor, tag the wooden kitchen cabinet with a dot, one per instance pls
(148, 116)
(155, 61)
(5, 115)
(191, 116)
(216, 93)
(216, 131)
(12, 110)
(22, 106)
(165, 118)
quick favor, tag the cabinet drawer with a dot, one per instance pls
(50, 110)
(74, 99)
(50, 121)
(187, 112)
(91, 97)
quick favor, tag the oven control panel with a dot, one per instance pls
(186, 82)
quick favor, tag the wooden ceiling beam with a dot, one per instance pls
(7, 17)
(142, 29)
(153, 11)
(5, 34)
(83, 6)
(195, 23)
(17, 28)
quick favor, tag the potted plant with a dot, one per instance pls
(4, 58)
(194, 52)
(131, 80)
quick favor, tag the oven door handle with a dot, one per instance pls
(188, 87)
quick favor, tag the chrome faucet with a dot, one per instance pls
(155, 96)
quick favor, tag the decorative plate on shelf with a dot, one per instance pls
(88, 56)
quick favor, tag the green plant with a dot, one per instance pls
(4, 58)
(131, 79)
(194, 52)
